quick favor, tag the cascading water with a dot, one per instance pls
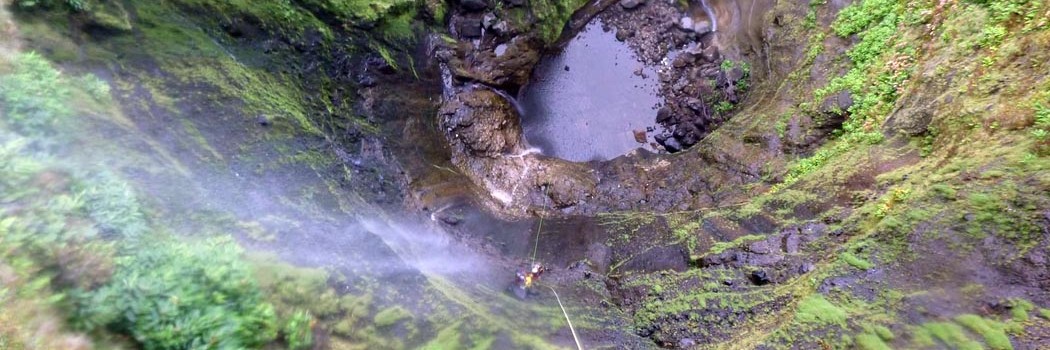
(710, 15)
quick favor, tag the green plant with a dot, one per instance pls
(112, 204)
(297, 331)
(170, 294)
(551, 16)
(723, 106)
(34, 96)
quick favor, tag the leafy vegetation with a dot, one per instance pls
(34, 95)
(82, 245)
(173, 295)
(552, 15)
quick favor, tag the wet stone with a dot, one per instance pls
(639, 135)
(630, 4)
(760, 277)
(686, 23)
(711, 54)
(469, 27)
(702, 27)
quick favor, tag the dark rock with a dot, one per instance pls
(760, 247)
(469, 27)
(717, 259)
(600, 256)
(680, 62)
(911, 120)
(760, 277)
(262, 120)
(622, 34)
(381, 65)
(837, 104)
(630, 4)
(673, 257)
(473, 5)
(791, 243)
(669, 143)
(663, 115)
(514, 3)
(711, 54)
(366, 80)
(452, 219)
(735, 74)
(805, 267)
(639, 136)
(689, 139)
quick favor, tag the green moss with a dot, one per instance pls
(280, 16)
(855, 261)
(951, 334)
(994, 332)
(552, 15)
(816, 309)
(390, 316)
(292, 289)
(720, 247)
(1044, 313)
(868, 341)
(883, 332)
(448, 338)
(944, 190)
(1019, 309)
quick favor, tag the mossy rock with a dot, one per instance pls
(109, 14)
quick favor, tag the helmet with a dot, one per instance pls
(536, 267)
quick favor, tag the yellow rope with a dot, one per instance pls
(539, 227)
(563, 312)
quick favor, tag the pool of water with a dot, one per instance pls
(586, 102)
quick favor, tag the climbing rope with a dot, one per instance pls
(539, 227)
(563, 312)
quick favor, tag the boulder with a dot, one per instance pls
(630, 4)
(469, 27)
(669, 143)
(702, 27)
(686, 23)
(760, 277)
(837, 104)
(912, 121)
(711, 54)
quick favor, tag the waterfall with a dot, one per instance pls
(510, 99)
(711, 15)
